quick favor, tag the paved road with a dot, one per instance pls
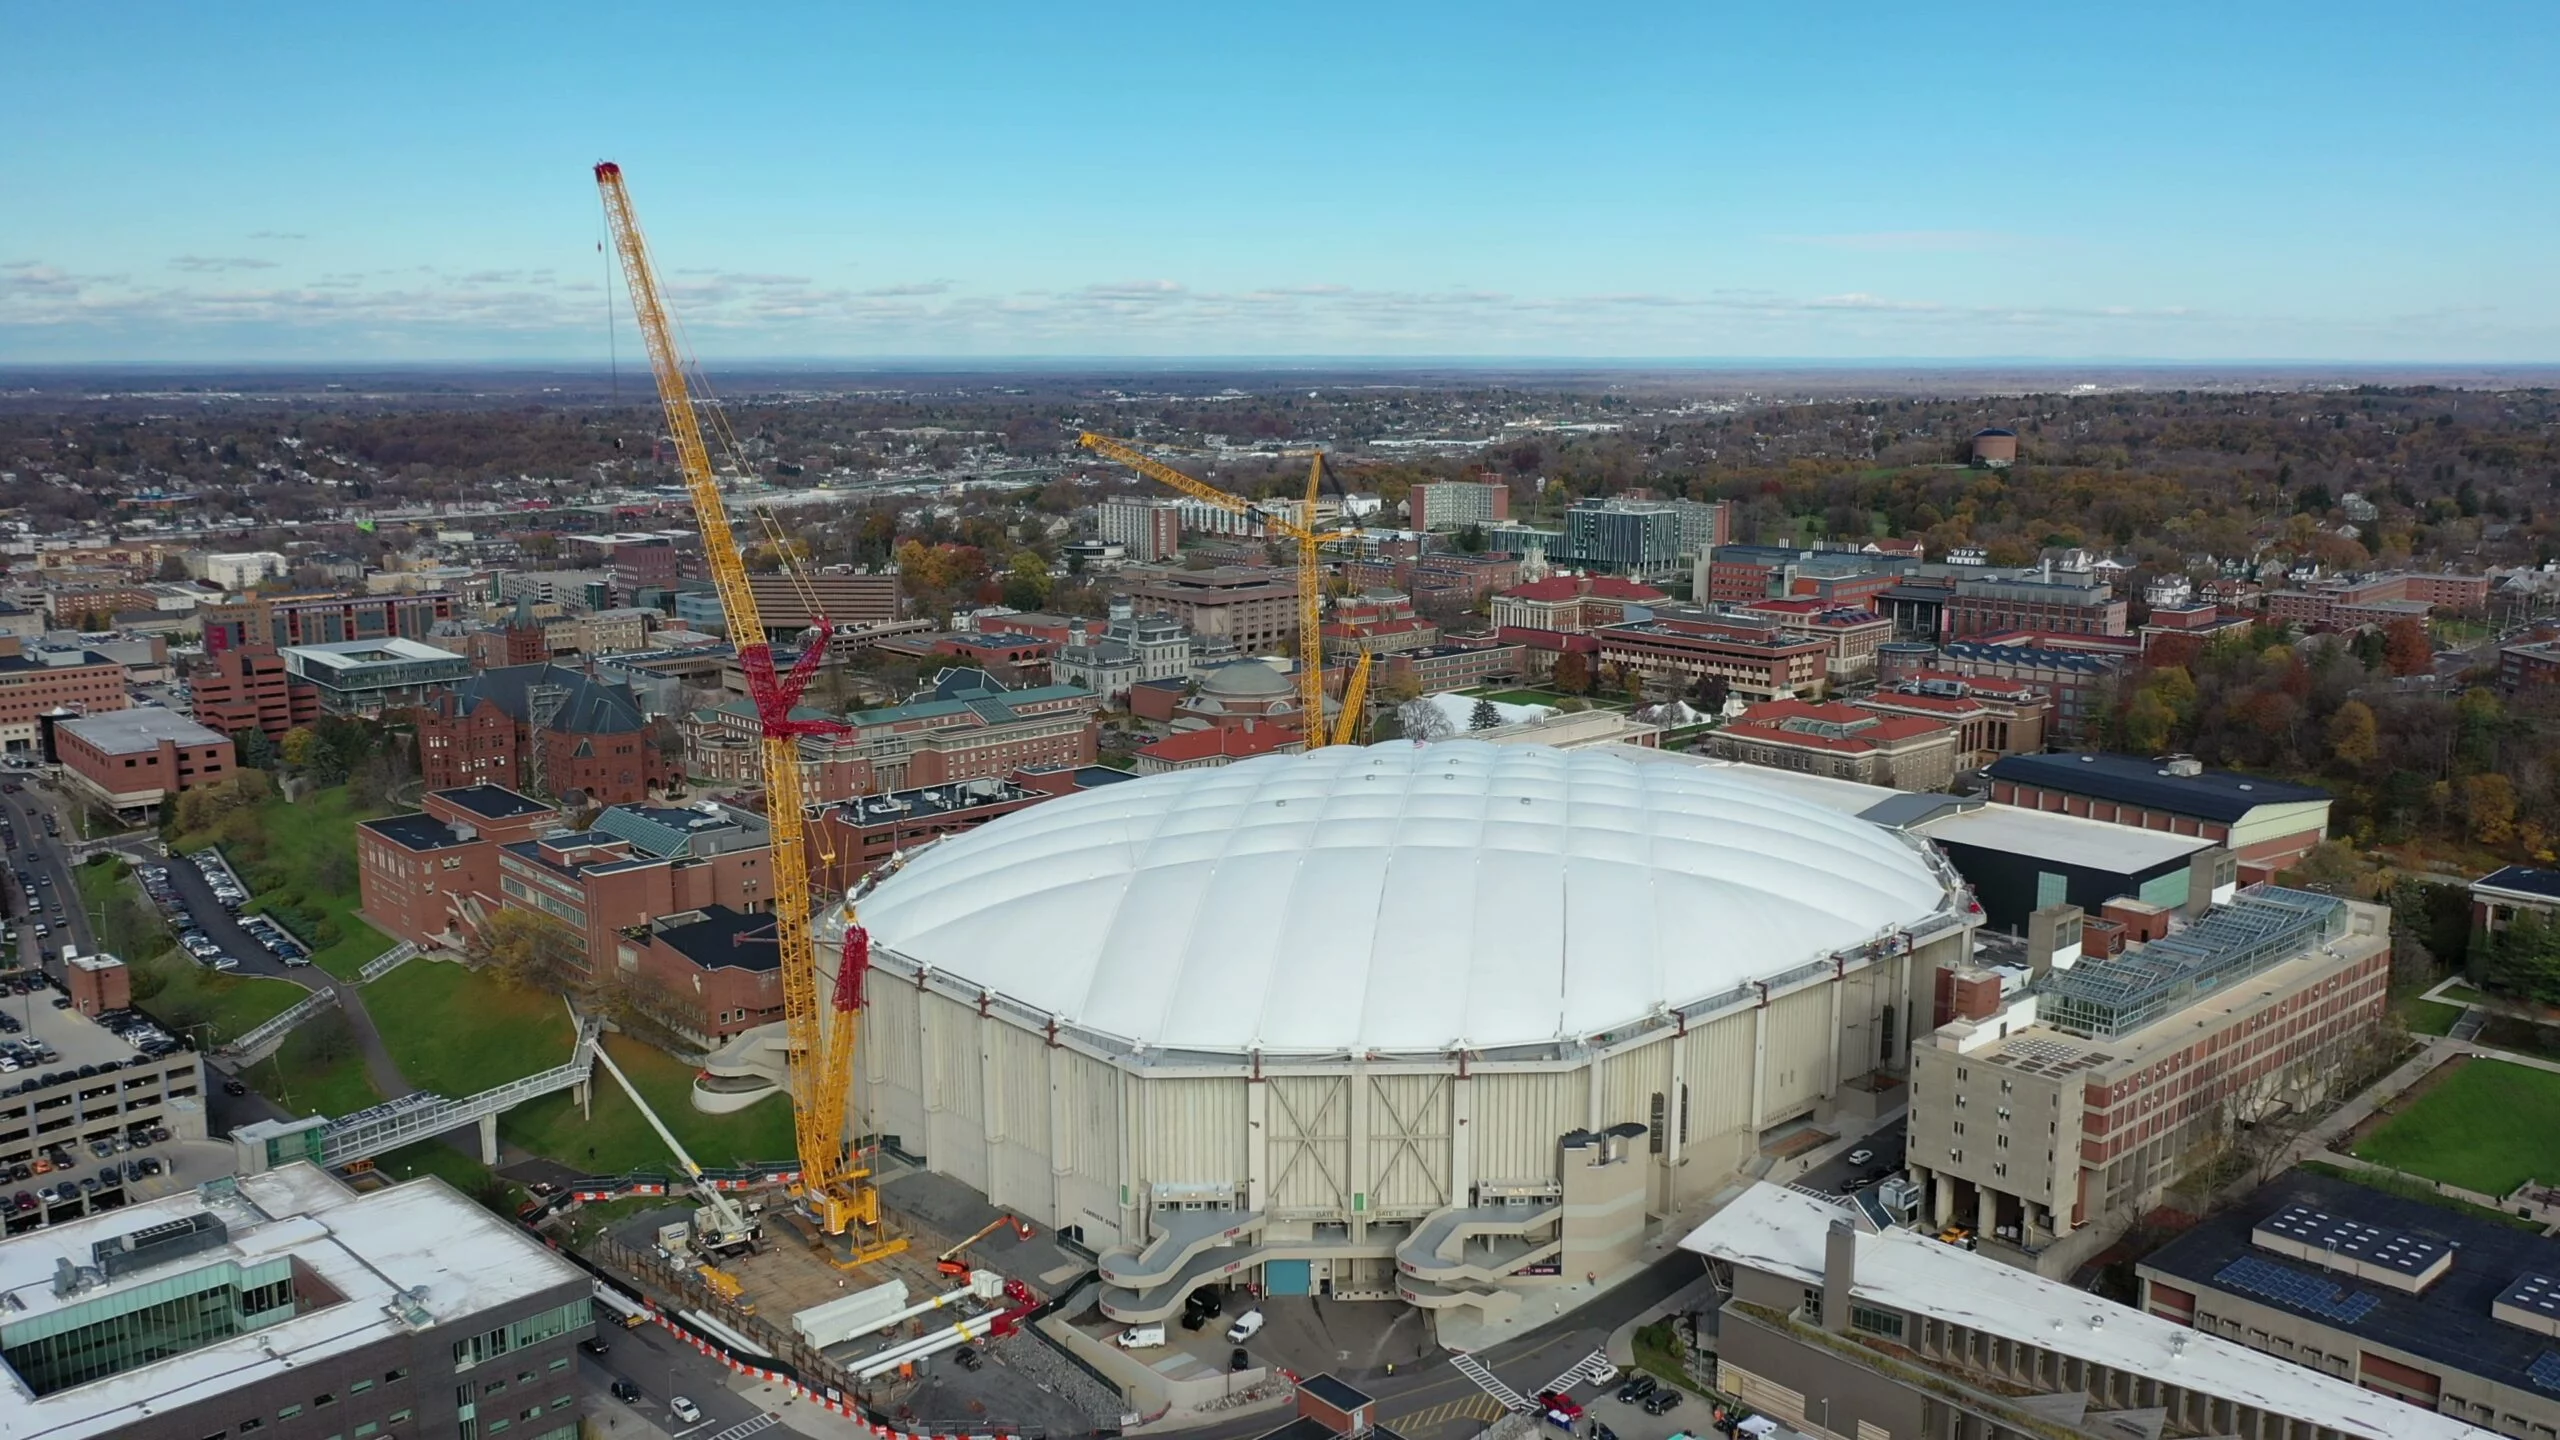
(664, 1366)
(1523, 1363)
(1887, 1142)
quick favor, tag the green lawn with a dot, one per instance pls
(339, 1087)
(458, 1032)
(461, 1171)
(299, 861)
(619, 1139)
(2487, 1127)
(2424, 1017)
(168, 986)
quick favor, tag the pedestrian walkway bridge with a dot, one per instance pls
(417, 1116)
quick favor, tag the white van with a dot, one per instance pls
(1139, 1337)
(1245, 1327)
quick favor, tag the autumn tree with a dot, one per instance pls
(1573, 674)
(1026, 581)
(2489, 807)
(529, 948)
(2405, 647)
(2354, 740)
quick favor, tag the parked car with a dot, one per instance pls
(684, 1409)
(1637, 1388)
(626, 1392)
(1663, 1401)
(595, 1347)
(1246, 1327)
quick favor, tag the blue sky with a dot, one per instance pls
(2342, 181)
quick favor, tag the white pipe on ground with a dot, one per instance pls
(940, 1340)
(983, 1284)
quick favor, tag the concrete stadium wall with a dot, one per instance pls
(1070, 1137)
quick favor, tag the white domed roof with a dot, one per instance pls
(1399, 897)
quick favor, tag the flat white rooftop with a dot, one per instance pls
(451, 1257)
(2069, 839)
(1774, 1229)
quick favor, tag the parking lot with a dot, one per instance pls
(202, 898)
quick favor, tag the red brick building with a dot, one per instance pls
(637, 863)
(1216, 746)
(1760, 662)
(855, 837)
(965, 726)
(1850, 632)
(2046, 606)
(132, 760)
(1457, 504)
(546, 729)
(1572, 604)
(2374, 599)
(276, 621)
(1841, 742)
(711, 971)
(248, 689)
(1992, 718)
(1459, 665)
(428, 877)
(30, 687)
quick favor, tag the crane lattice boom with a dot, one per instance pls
(821, 1046)
(1301, 530)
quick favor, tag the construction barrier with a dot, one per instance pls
(782, 1375)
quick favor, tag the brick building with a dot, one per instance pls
(636, 863)
(1458, 666)
(1992, 718)
(1841, 742)
(1252, 607)
(854, 837)
(2268, 824)
(964, 726)
(2051, 1117)
(849, 601)
(1216, 746)
(49, 681)
(2064, 606)
(1850, 632)
(250, 689)
(1147, 528)
(132, 760)
(1573, 604)
(1759, 661)
(546, 729)
(2078, 682)
(709, 973)
(276, 621)
(428, 877)
(2377, 599)
(1738, 574)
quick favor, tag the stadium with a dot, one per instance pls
(1442, 1023)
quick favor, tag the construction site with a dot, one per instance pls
(1453, 1035)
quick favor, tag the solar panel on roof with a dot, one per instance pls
(2313, 1294)
(2545, 1371)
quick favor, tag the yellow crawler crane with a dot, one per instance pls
(1301, 530)
(833, 1185)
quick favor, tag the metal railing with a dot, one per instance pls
(269, 1033)
(389, 1127)
(388, 961)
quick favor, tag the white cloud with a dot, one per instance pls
(202, 264)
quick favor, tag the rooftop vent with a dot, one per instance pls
(2183, 766)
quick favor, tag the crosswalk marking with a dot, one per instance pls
(1482, 1408)
(752, 1425)
(1487, 1381)
(1589, 1367)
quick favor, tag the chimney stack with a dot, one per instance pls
(1839, 1273)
